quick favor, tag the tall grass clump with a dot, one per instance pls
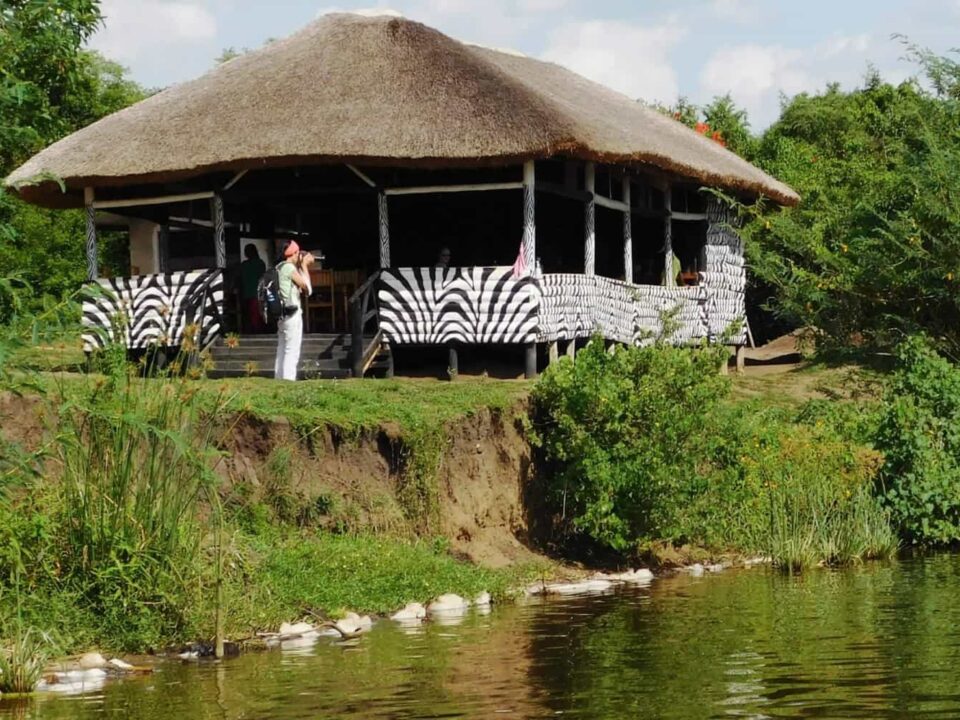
(805, 496)
(136, 458)
(24, 659)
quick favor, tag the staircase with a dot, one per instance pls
(321, 356)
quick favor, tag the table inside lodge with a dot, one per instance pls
(327, 308)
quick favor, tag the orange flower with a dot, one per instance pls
(702, 128)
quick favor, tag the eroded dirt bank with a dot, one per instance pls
(482, 466)
(478, 468)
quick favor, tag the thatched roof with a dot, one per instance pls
(378, 91)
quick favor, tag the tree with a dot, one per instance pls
(720, 120)
(872, 253)
(50, 86)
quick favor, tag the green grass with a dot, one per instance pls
(351, 405)
(292, 575)
(356, 405)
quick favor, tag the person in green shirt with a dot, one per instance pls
(294, 272)
(251, 270)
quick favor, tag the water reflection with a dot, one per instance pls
(874, 642)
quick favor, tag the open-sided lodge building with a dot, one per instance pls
(377, 141)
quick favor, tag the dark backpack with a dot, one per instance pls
(268, 296)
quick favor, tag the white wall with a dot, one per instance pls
(144, 247)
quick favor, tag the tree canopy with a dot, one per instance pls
(50, 86)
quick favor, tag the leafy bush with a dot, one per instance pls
(797, 493)
(643, 448)
(621, 432)
(920, 436)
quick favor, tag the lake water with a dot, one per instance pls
(880, 641)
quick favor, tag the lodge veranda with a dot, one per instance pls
(568, 210)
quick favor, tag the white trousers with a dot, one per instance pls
(289, 338)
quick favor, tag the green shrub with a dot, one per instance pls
(621, 432)
(919, 435)
(643, 448)
(799, 494)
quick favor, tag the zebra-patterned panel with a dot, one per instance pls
(436, 306)
(154, 309)
(578, 306)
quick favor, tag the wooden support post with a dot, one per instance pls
(93, 263)
(384, 218)
(388, 372)
(571, 349)
(530, 361)
(219, 238)
(668, 278)
(590, 233)
(627, 233)
(529, 216)
(552, 352)
(163, 248)
(741, 359)
(453, 363)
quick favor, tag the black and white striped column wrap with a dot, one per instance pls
(153, 309)
(93, 263)
(627, 247)
(384, 222)
(529, 227)
(219, 239)
(668, 239)
(478, 305)
(589, 238)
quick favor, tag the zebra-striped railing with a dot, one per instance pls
(469, 305)
(163, 310)
(364, 316)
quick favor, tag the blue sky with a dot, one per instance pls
(655, 49)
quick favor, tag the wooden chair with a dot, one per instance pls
(321, 305)
(346, 283)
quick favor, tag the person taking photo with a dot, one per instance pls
(293, 270)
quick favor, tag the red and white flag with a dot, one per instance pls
(520, 265)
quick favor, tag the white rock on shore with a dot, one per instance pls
(352, 624)
(449, 604)
(482, 600)
(91, 660)
(411, 613)
(596, 585)
(74, 681)
(290, 631)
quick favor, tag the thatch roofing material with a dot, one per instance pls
(377, 90)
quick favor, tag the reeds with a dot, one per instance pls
(817, 527)
(22, 662)
(137, 459)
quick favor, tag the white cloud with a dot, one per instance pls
(740, 11)
(134, 28)
(757, 75)
(631, 58)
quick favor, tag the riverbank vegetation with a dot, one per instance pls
(644, 446)
(118, 528)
